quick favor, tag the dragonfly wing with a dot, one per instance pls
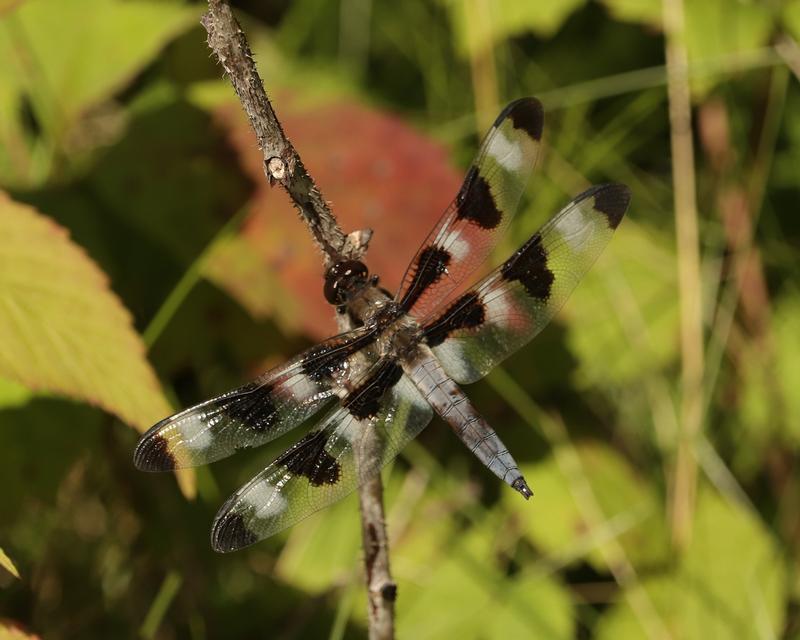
(516, 301)
(482, 210)
(350, 445)
(257, 412)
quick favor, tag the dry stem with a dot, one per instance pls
(683, 178)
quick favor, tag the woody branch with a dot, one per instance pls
(282, 165)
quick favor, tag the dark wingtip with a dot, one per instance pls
(520, 485)
(526, 114)
(229, 531)
(152, 454)
(612, 200)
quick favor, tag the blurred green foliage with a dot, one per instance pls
(131, 208)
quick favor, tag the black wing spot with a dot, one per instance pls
(527, 114)
(230, 532)
(431, 264)
(364, 401)
(476, 203)
(323, 360)
(309, 458)
(529, 267)
(153, 454)
(465, 313)
(612, 201)
(252, 407)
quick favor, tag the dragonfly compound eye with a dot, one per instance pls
(345, 279)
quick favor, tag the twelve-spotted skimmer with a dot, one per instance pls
(404, 356)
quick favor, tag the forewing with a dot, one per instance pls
(485, 204)
(375, 421)
(515, 302)
(257, 412)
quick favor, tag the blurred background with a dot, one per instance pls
(146, 266)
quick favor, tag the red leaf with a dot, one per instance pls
(375, 170)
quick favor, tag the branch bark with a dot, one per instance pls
(381, 589)
(282, 165)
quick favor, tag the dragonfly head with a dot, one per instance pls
(345, 280)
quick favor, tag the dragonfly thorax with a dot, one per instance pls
(399, 339)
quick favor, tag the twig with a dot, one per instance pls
(684, 482)
(282, 165)
(381, 589)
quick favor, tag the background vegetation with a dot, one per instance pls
(145, 266)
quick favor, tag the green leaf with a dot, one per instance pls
(61, 327)
(720, 28)
(532, 607)
(720, 31)
(623, 318)
(61, 72)
(630, 511)
(7, 564)
(730, 583)
(324, 550)
(464, 569)
(716, 30)
(791, 18)
(478, 25)
(113, 41)
(437, 611)
(13, 394)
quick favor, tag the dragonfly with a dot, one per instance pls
(402, 358)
